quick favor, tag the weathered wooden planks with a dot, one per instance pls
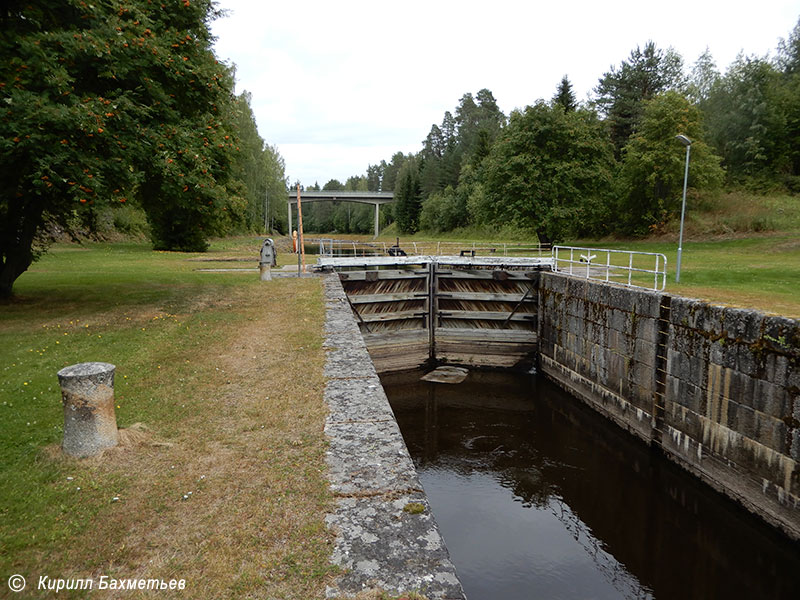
(444, 313)
(397, 350)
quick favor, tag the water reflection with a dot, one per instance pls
(538, 497)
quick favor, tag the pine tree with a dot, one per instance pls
(565, 97)
(621, 91)
(408, 201)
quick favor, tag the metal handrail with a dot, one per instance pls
(587, 266)
(333, 247)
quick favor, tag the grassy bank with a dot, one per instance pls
(219, 480)
(756, 272)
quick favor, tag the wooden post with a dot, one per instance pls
(432, 311)
(300, 228)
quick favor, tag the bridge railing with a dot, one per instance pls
(630, 268)
(476, 248)
(331, 247)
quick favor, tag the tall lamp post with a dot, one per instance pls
(688, 143)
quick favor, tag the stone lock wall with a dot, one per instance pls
(716, 388)
(733, 405)
(599, 342)
(380, 543)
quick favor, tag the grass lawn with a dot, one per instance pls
(220, 479)
(756, 272)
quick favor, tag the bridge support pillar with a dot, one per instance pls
(377, 219)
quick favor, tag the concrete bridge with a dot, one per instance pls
(374, 198)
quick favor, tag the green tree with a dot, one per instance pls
(434, 149)
(440, 157)
(478, 125)
(247, 164)
(444, 211)
(259, 168)
(460, 140)
(333, 185)
(703, 78)
(359, 216)
(374, 177)
(274, 170)
(654, 161)
(407, 193)
(105, 103)
(789, 64)
(549, 171)
(789, 52)
(621, 91)
(357, 183)
(745, 118)
(565, 97)
(391, 170)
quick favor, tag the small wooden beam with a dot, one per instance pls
(525, 295)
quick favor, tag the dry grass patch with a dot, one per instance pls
(231, 496)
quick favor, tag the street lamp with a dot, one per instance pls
(688, 143)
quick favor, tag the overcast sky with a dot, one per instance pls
(337, 86)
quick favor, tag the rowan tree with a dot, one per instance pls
(109, 102)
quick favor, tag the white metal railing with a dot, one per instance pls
(627, 267)
(332, 247)
(487, 249)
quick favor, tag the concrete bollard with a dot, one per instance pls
(266, 272)
(90, 423)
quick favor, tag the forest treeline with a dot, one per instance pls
(609, 165)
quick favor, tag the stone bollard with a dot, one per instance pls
(90, 423)
(266, 272)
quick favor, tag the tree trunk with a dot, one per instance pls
(14, 265)
(16, 250)
(17, 235)
(544, 238)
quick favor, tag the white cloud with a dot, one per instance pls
(340, 85)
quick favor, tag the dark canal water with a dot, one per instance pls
(539, 497)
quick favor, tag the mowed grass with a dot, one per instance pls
(220, 477)
(756, 272)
